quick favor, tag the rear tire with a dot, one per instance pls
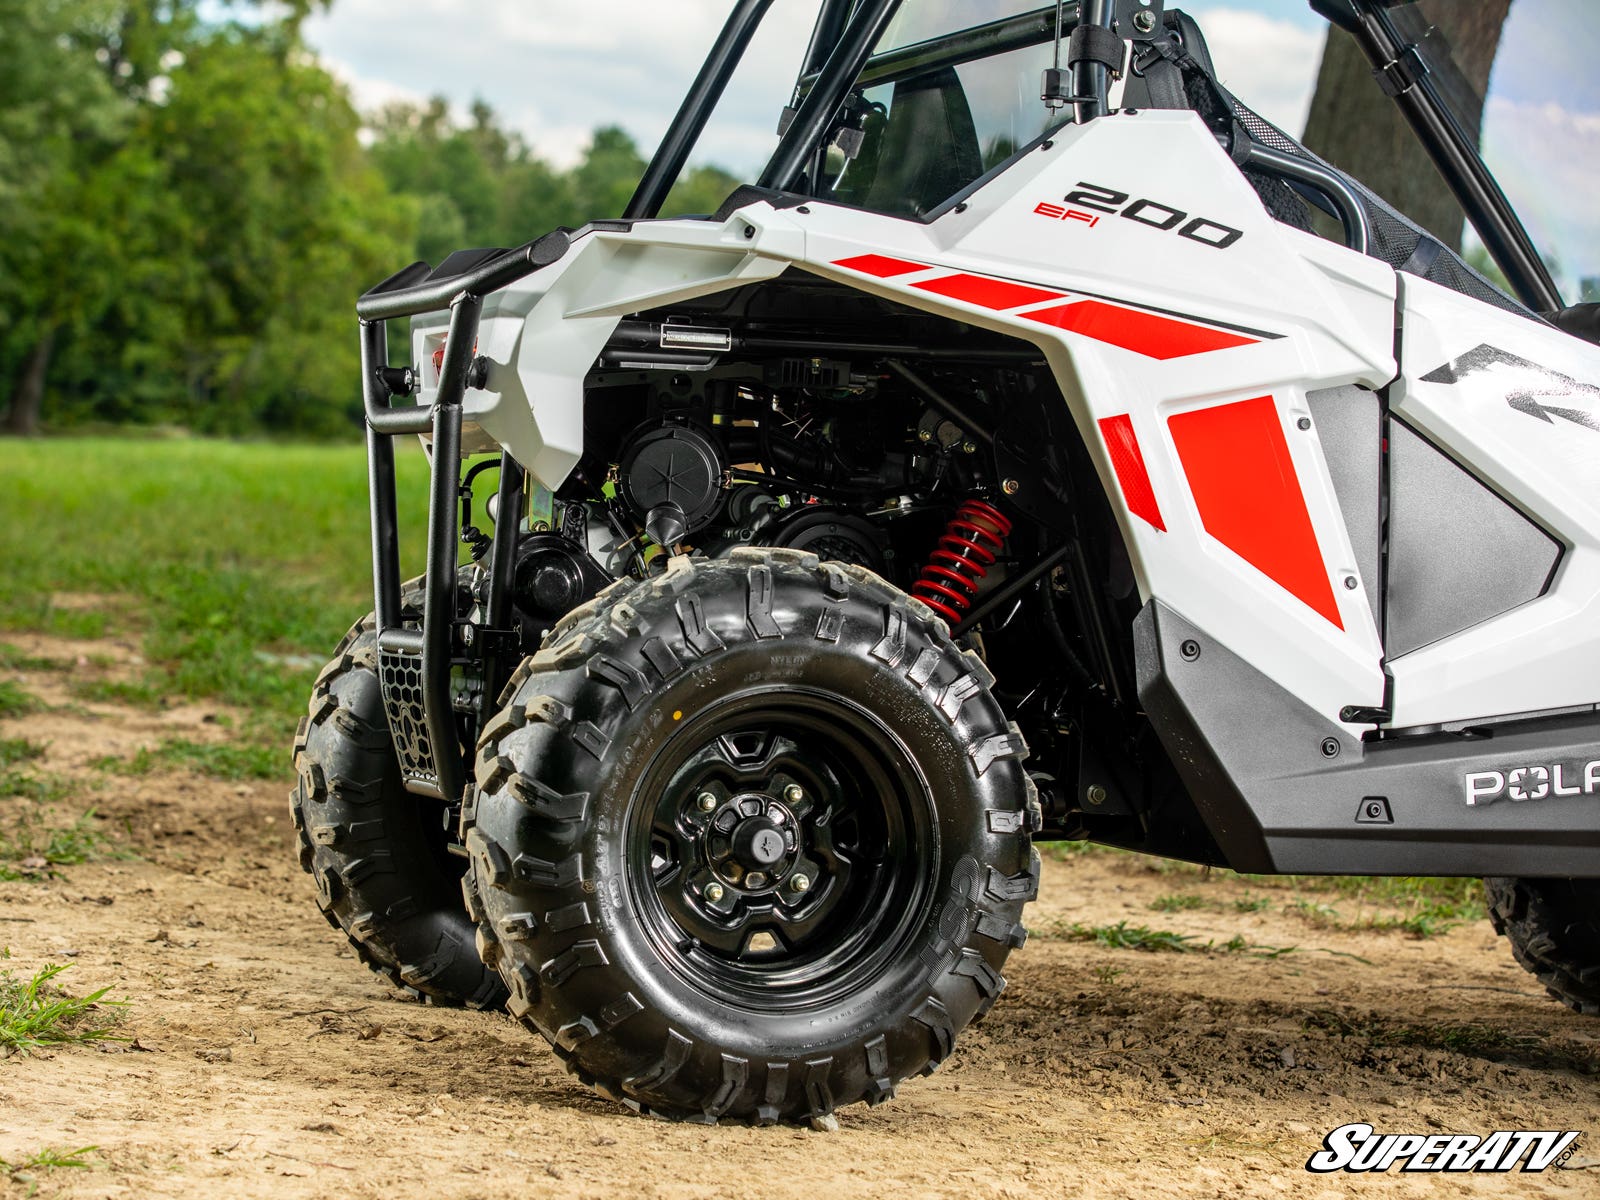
(382, 873)
(1554, 929)
(684, 749)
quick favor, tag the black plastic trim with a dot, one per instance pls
(1281, 788)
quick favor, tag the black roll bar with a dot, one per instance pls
(821, 106)
(412, 293)
(1352, 213)
(696, 109)
(1091, 80)
(1455, 154)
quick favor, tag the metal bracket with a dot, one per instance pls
(1353, 714)
(1404, 73)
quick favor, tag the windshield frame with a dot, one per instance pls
(839, 59)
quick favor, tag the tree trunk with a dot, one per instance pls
(1356, 127)
(27, 397)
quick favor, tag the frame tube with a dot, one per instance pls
(696, 110)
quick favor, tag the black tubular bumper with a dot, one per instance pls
(416, 664)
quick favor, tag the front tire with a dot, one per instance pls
(376, 852)
(750, 840)
(1553, 926)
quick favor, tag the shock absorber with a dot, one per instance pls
(949, 582)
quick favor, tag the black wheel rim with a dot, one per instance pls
(778, 848)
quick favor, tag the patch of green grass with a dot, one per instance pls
(1182, 902)
(12, 659)
(1422, 908)
(1067, 851)
(33, 838)
(275, 558)
(1314, 913)
(233, 760)
(17, 701)
(19, 750)
(1250, 904)
(44, 1161)
(135, 694)
(1123, 936)
(25, 785)
(35, 1012)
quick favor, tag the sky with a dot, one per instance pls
(556, 69)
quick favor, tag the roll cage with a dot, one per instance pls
(839, 60)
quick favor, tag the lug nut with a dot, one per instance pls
(714, 892)
(706, 801)
(801, 883)
(794, 793)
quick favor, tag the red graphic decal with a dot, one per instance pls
(1142, 332)
(1249, 498)
(879, 265)
(1127, 460)
(1057, 212)
(986, 293)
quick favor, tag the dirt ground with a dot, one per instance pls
(264, 1062)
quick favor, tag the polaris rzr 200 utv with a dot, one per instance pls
(941, 493)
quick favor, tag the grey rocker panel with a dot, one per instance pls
(1257, 762)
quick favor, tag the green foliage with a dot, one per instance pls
(15, 700)
(1178, 903)
(187, 212)
(12, 659)
(116, 691)
(191, 212)
(235, 563)
(49, 1159)
(36, 1013)
(33, 844)
(232, 761)
(19, 750)
(1123, 936)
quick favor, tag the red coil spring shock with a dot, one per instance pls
(949, 583)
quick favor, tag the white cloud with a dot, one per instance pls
(557, 69)
(1268, 63)
(369, 93)
(1545, 156)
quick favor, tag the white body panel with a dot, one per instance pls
(1546, 653)
(1318, 315)
(542, 334)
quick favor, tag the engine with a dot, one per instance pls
(801, 414)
